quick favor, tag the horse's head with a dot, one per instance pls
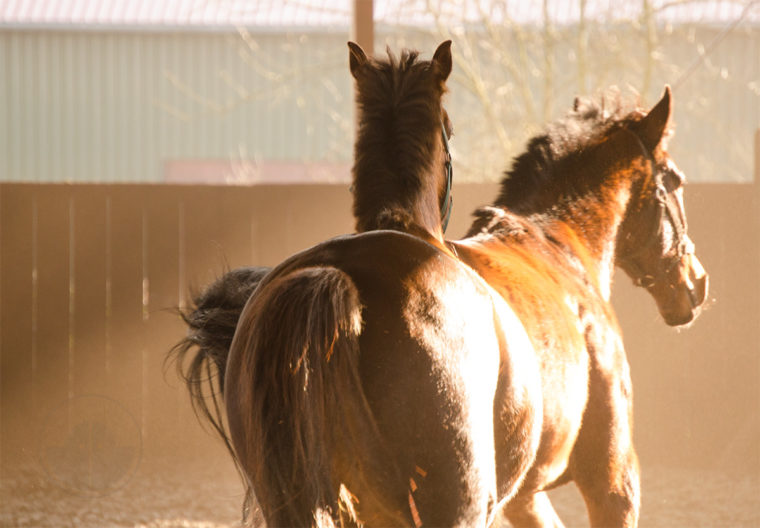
(654, 248)
(402, 168)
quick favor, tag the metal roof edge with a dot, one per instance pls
(67, 27)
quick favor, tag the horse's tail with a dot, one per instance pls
(202, 354)
(294, 395)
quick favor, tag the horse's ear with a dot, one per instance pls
(653, 125)
(356, 58)
(576, 103)
(442, 61)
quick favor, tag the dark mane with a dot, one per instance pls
(399, 104)
(544, 167)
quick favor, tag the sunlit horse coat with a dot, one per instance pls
(595, 191)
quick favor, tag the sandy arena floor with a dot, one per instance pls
(199, 494)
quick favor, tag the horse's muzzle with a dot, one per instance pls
(680, 300)
(681, 295)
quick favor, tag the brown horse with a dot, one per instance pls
(357, 389)
(595, 191)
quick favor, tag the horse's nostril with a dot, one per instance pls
(699, 292)
(696, 280)
(696, 271)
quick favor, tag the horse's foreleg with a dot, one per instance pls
(533, 510)
(604, 465)
(610, 488)
(612, 500)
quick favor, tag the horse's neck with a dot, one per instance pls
(417, 213)
(405, 218)
(588, 227)
(426, 211)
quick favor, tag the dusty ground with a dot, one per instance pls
(207, 494)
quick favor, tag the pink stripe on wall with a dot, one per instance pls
(251, 172)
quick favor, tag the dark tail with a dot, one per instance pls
(202, 354)
(294, 395)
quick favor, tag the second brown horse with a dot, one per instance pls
(597, 190)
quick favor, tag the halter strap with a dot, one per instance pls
(448, 200)
(684, 246)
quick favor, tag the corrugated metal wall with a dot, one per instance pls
(716, 108)
(112, 107)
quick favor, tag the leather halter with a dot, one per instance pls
(448, 199)
(665, 206)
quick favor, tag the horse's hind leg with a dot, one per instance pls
(534, 510)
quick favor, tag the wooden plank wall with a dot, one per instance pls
(90, 275)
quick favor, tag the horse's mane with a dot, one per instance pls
(399, 113)
(547, 165)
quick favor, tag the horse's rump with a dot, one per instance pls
(406, 425)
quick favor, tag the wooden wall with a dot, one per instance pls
(91, 275)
